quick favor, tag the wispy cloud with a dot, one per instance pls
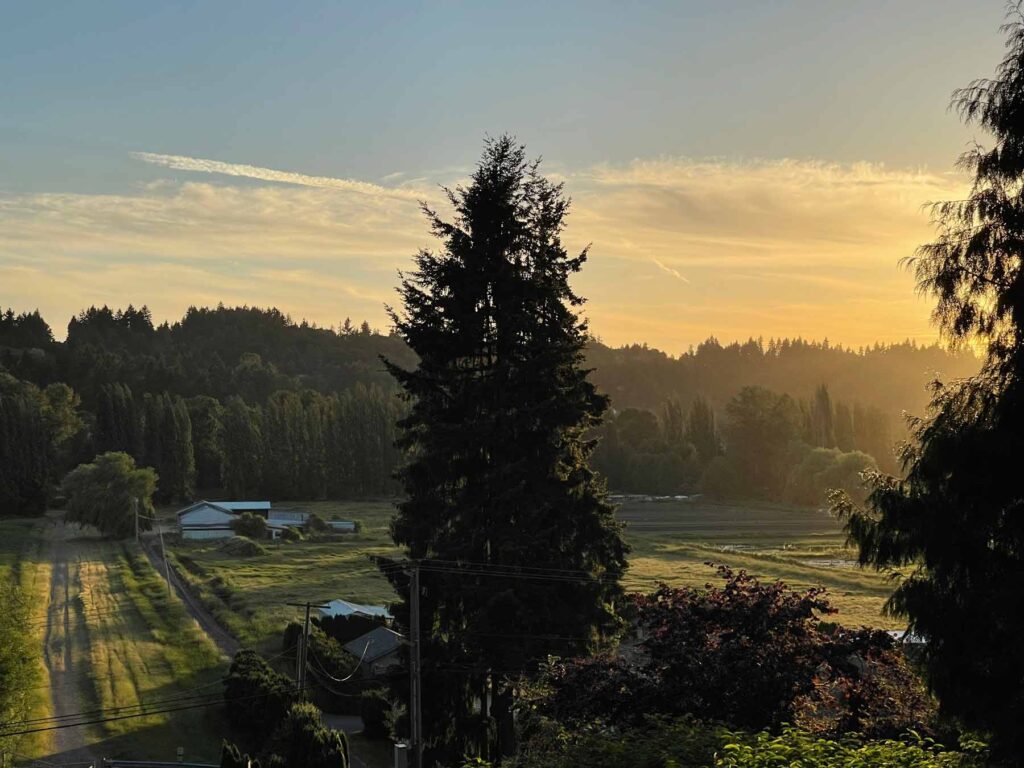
(776, 248)
(674, 272)
(201, 165)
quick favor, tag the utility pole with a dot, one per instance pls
(163, 551)
(302, 652)
(415, 686)
(304, 655)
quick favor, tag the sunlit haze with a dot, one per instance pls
(738, 169)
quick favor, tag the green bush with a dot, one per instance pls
(256, 697)
(658, 743)
(375, 710)
(303, 742)
(315, 525)
(291, 534)
(250, 525)
(794, 747)
(687, 743)
(242, 546)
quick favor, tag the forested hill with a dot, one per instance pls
(220, 352)
(249, 402)
(893, 378)
(254, 352)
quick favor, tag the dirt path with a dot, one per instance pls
(225, 642)
(65, 639)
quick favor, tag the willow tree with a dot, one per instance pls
(498, 474)
(953, 527)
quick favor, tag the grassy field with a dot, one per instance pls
(23, 561)
(248, 595)
(109, 637)
(671, 542)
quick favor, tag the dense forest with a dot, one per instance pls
(244, 401)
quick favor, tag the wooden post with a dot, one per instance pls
(415, 685)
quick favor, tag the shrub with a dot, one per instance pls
(748, 654)
(376, 710)
(656, 743)
(250, 525)
(302, 740)
(291, 534)
(241, 546)
(232, 757)
(823, 469)
(794, 747)
(686, 743)
(315, 525)
(256, 697)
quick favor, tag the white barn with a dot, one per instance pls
(212, 519)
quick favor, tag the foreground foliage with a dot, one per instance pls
(954, 526)
(797, 748)
(264, 706)
(686, 743)
(750, 654)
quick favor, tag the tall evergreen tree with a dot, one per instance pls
(955, 525)
(25, 448)
(498, 473)
(168, 446)
(243, 448)
(207, 417)
(822, 426)
(701, 430)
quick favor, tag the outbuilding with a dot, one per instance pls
(377, 651)
(212, 519)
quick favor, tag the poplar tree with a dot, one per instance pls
(498, 471)
(243, 448)
(701, 430)
(954, 525)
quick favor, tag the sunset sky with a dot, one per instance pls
(740, 168)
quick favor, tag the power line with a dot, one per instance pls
(124, 717)
(183, 696)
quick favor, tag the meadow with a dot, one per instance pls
(23, 562)
(672, 542)
(110, 638)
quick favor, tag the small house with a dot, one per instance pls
(378, 651)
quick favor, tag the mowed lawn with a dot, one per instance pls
(110, 638)
(671, 542)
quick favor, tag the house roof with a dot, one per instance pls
(227, 507)
(245, 506)
(374, 644)
(199, 505)
(345, 608)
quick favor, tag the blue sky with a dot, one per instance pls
(629, 102)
